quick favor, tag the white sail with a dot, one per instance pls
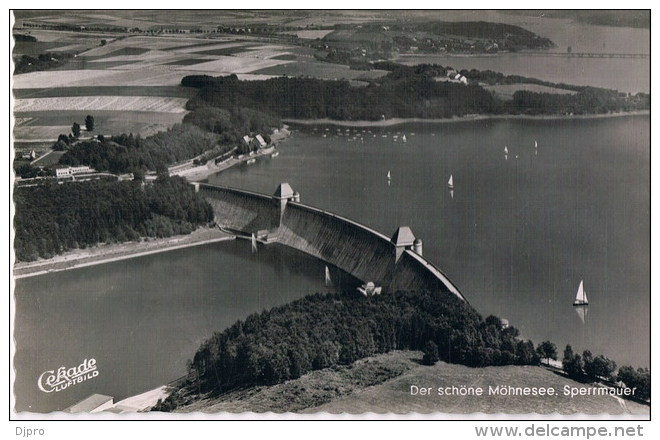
(536, 144)
(254, 243)
(389, 175)
(581, 296)
(506, 150)
(404, 138)
(328, 281)
(450, 183)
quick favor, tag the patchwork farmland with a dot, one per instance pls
(130, 81)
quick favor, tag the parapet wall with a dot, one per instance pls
(352, 247)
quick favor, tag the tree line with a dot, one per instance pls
(44, 61)
(324, 330)
(128, 153)
(52, 218)
(307, 98)
(405, 92)
(205, 132)
(595, 368)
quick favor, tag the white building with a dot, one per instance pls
(70, 171)
(262, 142)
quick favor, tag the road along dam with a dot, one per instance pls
(382, 263)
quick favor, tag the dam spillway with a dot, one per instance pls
(391, 263)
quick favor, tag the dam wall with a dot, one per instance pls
(391, 263)
(356, 249)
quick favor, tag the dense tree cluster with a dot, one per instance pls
(639, 379)
(509, 37)
(406, 92)
(595, 368)
(587, 101)
(547, 350)
(231, 125)
(52, 218)
(392, 96)
(44, 61)
(321, 331)
(128, 153)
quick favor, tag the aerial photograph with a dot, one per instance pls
(421, 213)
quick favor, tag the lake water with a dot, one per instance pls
(517, 236)
(141, 319)
(519, 233)
(623, 74)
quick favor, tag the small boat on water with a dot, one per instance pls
(277, 153)
(404, 138)
(506, 150)
(536, 144)
(389, 175)
(251, 161)
(581, 296)
(450, 182)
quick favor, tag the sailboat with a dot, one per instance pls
(254, 243)
(506, 150)
(581, 297)
(389, 175)
(450, 182)
(536, 144)
(404, 138)
(328, 281)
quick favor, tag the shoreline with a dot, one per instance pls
(118, 251)
(107, 253)
(398, 121)
(203, 172)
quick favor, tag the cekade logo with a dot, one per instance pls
(63, 378)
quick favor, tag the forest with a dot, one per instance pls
(206, 129)
(128, 153)
(324, 330)
(327, 330)
(53, 218)
(405, 92)
(306, 98)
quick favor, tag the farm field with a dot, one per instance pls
(131, 82)
(319, 69)
(95, 103)
(48, 124)
(48, 92)
(309, 35)
(506, 91)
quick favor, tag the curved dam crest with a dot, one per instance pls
(392, 264)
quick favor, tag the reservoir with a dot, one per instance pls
(517, 235)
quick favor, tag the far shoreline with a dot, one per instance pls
(398, 121)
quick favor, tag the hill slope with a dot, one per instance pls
(381, 384)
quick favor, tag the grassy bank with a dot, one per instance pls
(381, 384)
